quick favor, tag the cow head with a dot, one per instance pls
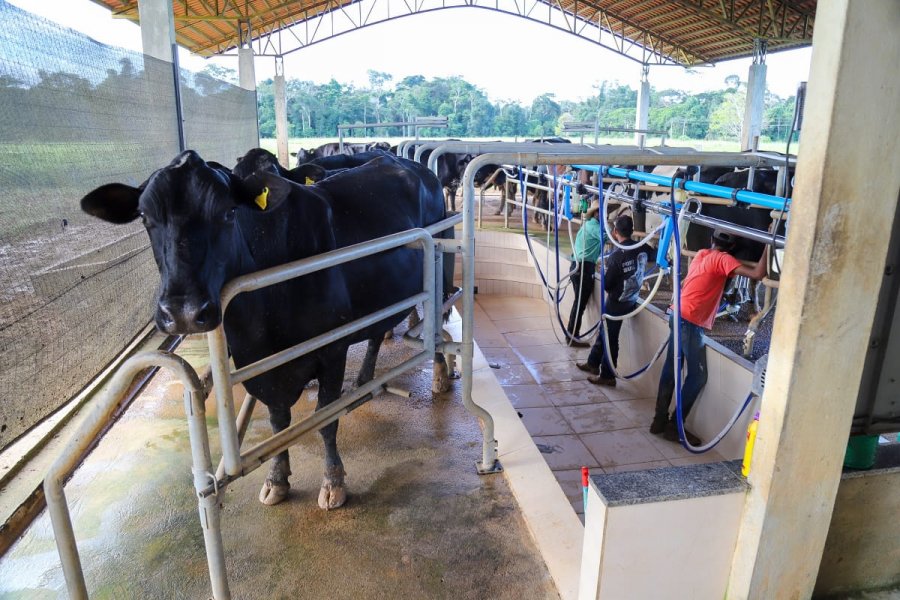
(304, 156)
(191, 211)
(255, 160)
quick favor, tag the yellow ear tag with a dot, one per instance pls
(309, 181)
(262, 199)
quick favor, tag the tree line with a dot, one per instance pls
(316, 110)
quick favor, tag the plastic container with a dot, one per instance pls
(748, 447)
(861, 452)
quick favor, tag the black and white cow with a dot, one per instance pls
(207, 227)
(450, 166)
(334, 148)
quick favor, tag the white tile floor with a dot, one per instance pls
(573, 422)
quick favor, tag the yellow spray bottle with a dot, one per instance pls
(748, 448)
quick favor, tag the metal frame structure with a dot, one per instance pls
(417, 124)
(236, 464)
(650, 32)
(594, 127)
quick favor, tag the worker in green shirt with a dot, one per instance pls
(584, 264)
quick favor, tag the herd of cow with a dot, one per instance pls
(209, 224)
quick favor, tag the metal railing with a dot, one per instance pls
(418, 123)
(209, 485)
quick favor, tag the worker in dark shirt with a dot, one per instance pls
(624, 274)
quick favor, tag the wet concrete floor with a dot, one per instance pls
(418, 523)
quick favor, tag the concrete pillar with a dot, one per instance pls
(642, 111)
(246, 71)
(281, 124)
(847, 181)
(158, 39)
(756, 98)
(157, 28)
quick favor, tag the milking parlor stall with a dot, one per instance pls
(174, 320)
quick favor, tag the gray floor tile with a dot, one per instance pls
(621, 447)
(565, 452)
(526, 396)
(544, 421)
(591, 418)
(513, 375)
(657, 464)
(502, 356)
(538, 337)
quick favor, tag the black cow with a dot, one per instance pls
(541, 198)
(306, 173)
(207, 226)
(331, 149)
(450, 166)
(484, 178)
(764, 181)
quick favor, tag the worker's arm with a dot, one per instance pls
(758, 271)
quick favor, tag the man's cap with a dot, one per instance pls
(724, 239)
(624, 225)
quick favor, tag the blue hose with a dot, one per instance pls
(676, 339)
(708, 189)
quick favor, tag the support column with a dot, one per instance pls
(756, 96)
(827, 297)
(281, 124)
(642, 112)
(246, 71)
(247, 68)
(157, 28)
(157, 20)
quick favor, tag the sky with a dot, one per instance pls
(495, 52)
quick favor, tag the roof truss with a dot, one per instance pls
(651, 32)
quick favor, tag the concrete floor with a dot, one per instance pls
(573, 422)
(419, 523)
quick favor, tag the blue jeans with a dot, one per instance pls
(583, 285)
(694, 353)
(598, 357)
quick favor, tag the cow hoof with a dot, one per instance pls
(440, 383)
(389, 334)
(273, 493)
(332, 495)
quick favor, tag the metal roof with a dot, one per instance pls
(652, 32)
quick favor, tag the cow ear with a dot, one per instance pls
(264, 190)
(114, 202)
(307, 174)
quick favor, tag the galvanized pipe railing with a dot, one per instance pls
(202, 466)
(223, 378)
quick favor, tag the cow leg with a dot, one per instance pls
(451, 197)
(389, 334)
(443, 368)
(332, 494)
(414, 318)
(450, 359)
(276, 487)
(367, 370)
(440, 381)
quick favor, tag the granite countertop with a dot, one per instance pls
(670, 483)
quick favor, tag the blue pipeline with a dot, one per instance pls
(661, 258)
(708, 189)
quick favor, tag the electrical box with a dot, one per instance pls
(878, 404)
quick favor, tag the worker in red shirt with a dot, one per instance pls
(701, 293)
